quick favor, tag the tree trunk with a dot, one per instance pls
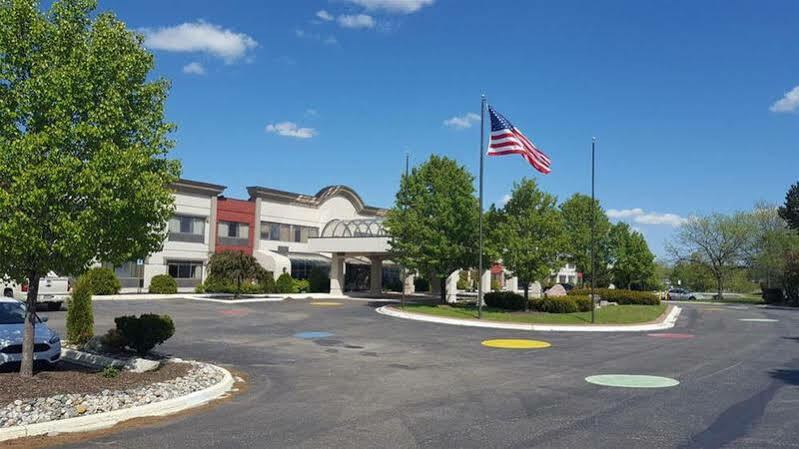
(26, 367)
(719, 281)
(443, 290)
(238, 287)
(526, 297)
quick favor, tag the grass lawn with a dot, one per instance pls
(607, 315)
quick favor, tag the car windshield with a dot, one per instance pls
(11, 313)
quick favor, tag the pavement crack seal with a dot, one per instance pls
(99, 421)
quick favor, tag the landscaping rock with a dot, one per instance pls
(556, 291)
(63, 406)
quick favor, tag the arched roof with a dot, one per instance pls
(359, 227)
(317, 200)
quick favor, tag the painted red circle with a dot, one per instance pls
(672, 336)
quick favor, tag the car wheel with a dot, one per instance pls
(53, 306)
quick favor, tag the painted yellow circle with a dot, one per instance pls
(323, 303)
(516, 344)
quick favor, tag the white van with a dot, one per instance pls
(53, 290)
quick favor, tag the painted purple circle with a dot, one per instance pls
(672, 336)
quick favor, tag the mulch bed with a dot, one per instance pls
(67, 378)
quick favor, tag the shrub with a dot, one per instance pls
(562, 304)
(790, 278)
(285, 284)
(110, 372)
(80, 316)
(265, 282)
(620, 296)
(772, 295)
(319, 280)
(102, 281)
(504, 300)
(115, 340)
(584, 303)
(143, 333)
(301, 285)
(163, 284)
(421, 285)
(394, 285)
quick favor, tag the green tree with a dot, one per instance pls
(233, 266)
(718, 242)
(433, 224)
(773, 241)
(83, 145)
(790, 210)
(691, 274)
(633, 263)
(528, 235)
(577, 218)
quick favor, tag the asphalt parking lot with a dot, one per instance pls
(382, 382)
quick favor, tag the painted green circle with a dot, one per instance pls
(632, 381)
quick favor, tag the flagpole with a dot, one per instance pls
(480, 264)
(593, 233)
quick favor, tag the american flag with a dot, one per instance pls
(507, 139)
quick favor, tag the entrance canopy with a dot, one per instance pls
(360, 236)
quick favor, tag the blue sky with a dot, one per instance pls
(693, 103)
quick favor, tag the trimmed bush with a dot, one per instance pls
(102, 281)
(301, 285)
(266, 282)
(620, 296)
(421, 285)
(163, 284)
(772, 295)
(319, 280)
(584, 303)
(285, 284)
(143, 333)
(115, 340)
(80, 316)
(561, 304)
(504, 300)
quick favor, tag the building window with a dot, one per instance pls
(232, 233)
(186, 273)
(287, 232)
(301, 268)
(186, 228)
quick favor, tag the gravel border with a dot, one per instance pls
(64, 406)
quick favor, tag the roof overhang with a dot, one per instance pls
(314, 201)
(350, 245)
(197, 187)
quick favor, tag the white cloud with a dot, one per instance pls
(290, 129)
(200, 37)
(505, 198)
(397, 6)
(194, 68)
(356, 21)
(624, 213)
(788, 103)
(640, 216)
(324, 15)
(462, 122)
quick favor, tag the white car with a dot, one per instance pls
(53, 290)
(47, 342)
(682, 294)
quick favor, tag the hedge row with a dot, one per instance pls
(620, 296)
(514, 301)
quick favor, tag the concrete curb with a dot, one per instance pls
(667, 323)
(233, 301)
(109, 419)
